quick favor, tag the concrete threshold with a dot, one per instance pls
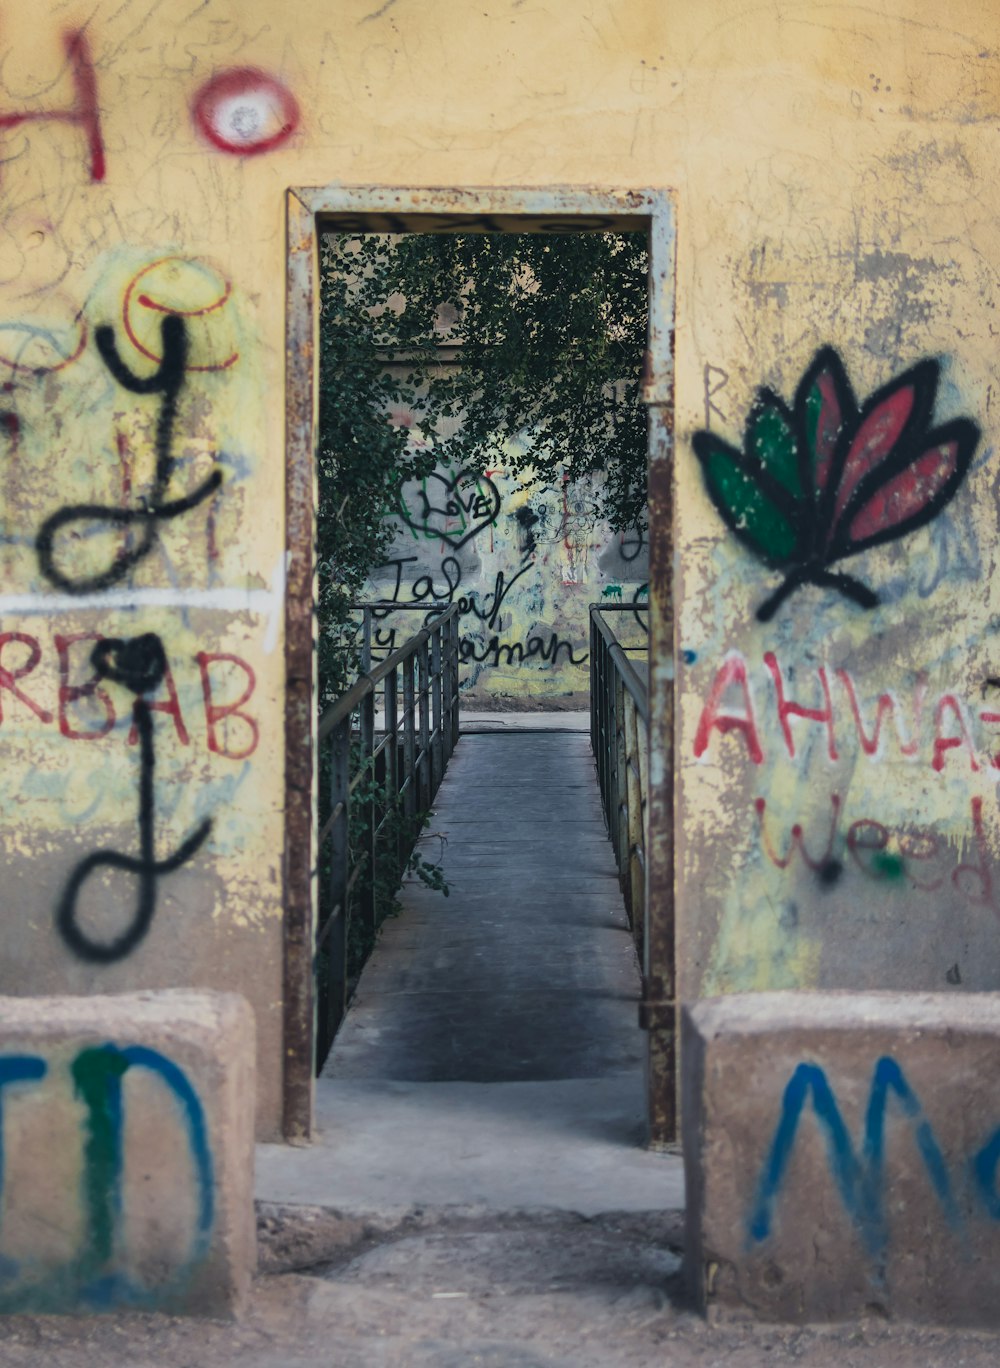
(385, 1147)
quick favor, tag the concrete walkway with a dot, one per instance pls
(491, 1057)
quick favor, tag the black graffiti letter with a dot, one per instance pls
(139, 664)
(167, 380)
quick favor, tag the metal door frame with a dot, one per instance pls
(312, 211)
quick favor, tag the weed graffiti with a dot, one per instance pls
(139, 665)
(167, 380)
(97, 1074)
(886, 855)
(825, 479)
(860, 1178)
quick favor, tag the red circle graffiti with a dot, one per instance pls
(245, 111)
(146, 301)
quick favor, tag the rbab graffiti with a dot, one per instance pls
(825, 479)
(99, 1275)
(84, 711)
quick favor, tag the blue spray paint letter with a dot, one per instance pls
(859, 1180)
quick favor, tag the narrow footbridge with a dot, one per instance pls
(526, 972)
(492, 1053)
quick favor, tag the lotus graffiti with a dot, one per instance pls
(827, 479)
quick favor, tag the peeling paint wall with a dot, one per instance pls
(834, 178)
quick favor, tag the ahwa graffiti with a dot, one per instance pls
(860, 1179)
(825, 479)
(168, 380)
(940, 733)
(97, 1073)
(139, 665)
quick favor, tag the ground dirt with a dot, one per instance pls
(459, 1287)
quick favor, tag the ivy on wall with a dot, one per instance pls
(550, 330)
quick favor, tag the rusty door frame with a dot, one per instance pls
(310, 212)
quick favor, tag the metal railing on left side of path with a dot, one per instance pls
(384, 746)
(619, 737)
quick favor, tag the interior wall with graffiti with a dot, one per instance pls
(523, 562)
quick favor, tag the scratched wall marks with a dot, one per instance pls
(523, 563)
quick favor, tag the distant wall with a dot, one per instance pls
(523, 563)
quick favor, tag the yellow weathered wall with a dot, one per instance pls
(833, 169)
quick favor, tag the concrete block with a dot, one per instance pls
(841, 1156)
(126, 1153)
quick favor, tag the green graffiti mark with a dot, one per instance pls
(97, 1075)
(889, 866)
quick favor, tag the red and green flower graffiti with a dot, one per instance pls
(825, 479)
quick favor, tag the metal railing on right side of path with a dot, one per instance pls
(383, 749)
(619, 736)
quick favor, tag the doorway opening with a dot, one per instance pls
(466, 509)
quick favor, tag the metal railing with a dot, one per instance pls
(619, 736)
(383, 749)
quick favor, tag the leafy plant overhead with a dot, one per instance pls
(479, 339)
(827, 479)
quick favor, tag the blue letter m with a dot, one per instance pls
(859, 1180)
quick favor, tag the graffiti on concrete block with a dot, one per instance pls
(139, 665)
(825, 479)
(103, 1273)
(859, 1176)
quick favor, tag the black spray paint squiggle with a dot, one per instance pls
(167, 380)
(139, 664)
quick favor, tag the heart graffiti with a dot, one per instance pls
(452, 509)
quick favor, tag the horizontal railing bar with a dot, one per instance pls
(324, 930)
(619, 607)
(338, 811)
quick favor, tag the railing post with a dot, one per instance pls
(392, 779)
(333, 1000)
(424, 758)
(636, 854)
(437, 745)
(454, 656)
(366, 640)
(621, 783)
(409, 744)
(367, 768)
